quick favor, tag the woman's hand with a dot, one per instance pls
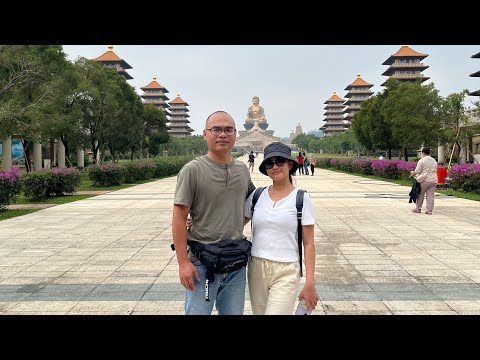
(309, 293)
(189, 222)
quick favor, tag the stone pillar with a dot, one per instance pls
(7, 153)
(80, 159)
(441, 154)
(61, 153)
(463, 155)
(37, 156)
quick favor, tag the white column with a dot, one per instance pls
(7, 153)
(61, 154)
(463, 155)
(80, 158)
(441, 154)
(37, 156)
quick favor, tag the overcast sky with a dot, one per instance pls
(292, 81)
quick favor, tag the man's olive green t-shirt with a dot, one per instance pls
(215, 194)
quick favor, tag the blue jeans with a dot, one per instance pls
(227, 291)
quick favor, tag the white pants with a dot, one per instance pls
(273, 286)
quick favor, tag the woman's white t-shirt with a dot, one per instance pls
(274, 233)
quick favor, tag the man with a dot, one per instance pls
(251, 161)
(213, 189)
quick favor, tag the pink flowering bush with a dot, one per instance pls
(385, 168)
(10, 186)
(362, 166)
(465, 177)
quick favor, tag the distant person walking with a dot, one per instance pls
(305, 163)
(300, 163)
(312, 162)
(251, 161)
(426, 174)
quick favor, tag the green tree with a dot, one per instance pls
(155, 129)
(413, 111)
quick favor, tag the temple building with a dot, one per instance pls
(334, 116)
(358, 91)
(178, 118)
(475, 74)
(155, 95)
(110, 59)
(405, 65)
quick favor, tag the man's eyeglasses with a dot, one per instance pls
(279, 161)
(217, 130)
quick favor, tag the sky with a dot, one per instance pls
(292, 81)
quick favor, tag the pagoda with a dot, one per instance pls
(155, 95)
(475, 74)
(405, 65)
(358, 91)
(110, 59)
(334, 119)
(178, 118)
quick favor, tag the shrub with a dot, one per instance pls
(45, 183)
(105, 174)
(10, 186)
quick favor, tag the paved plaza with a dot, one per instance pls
(110, 254)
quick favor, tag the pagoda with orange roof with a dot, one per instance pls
(475, 74)
(155, 95)
(358, 91)
(405, 65)
(178, 118)
(110, 59)
(334, 119)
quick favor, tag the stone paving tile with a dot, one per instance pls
(355, 307)
(6, 305)
(43, 306)
(424, 312)
(390, 280)
(36, 312)
(395, 305)
(103, 307)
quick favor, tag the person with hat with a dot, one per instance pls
(274, 269)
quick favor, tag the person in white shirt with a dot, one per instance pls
(426, 174)
(274, 268)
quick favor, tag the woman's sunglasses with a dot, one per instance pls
(279, 161)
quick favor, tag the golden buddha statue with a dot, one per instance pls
(255, 113)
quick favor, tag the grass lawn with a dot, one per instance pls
(461, 194)
(7, 214)
(52, 200)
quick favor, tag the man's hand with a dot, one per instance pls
(187, 271)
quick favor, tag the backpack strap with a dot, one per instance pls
(299, 205)
(256, 196)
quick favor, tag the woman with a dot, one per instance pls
(273, 270)
(305, 163)
(312, 161)
(426, 174)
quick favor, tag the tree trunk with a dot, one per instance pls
(405, 151)
(389, 153)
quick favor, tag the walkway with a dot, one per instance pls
(110, 254)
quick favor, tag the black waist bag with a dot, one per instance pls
(221, 257)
